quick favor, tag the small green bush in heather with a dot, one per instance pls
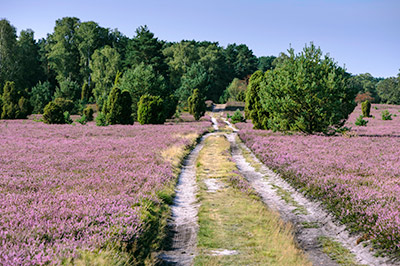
(360, 121)
(237, 117)
(118, 108)
(88, 113)
(83, 120)
(386, 115)
(53, 114)
(14, 102)
(197, 105)
(101, 120)
(65, 104)
(67, 118)
(151, 110)
(366, 108)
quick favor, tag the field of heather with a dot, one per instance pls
(66, 188)
(357, 178)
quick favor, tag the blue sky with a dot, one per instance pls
(363, 35)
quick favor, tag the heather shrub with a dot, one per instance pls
(53, 114)
(101, 120)
(386, 115)
(237, 117)
(197, 105)
(366, 108)
(88, 113)
(150, 110)
(360, 121)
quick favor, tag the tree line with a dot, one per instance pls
(81, 61)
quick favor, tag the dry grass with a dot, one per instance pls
(232, 220)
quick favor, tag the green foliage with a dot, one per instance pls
(236, 91)
(9, 69)
(65, 104)
(14, 102)
(389, 90)
(150, 110)
(145, 49)
(86, 92)
(170, 104)
(69, 90)
(366, 108)
(88, 113)
(101, 120)
(265, 63)
(360, 121)
(29, 60)
(242, 60)
(386, 115)
(365, 84)
(237, 117)
(67, 118)
(105, 65)
(53, 114)
(118, 109)
(40, 96)
(141, 80)
(307, 93)
(83, 120)
(196, 77)
(197, 105)
(253, 107)
(63, 53)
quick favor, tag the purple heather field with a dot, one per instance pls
(65, 188)
(357, 177)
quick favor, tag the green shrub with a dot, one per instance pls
(197, 105)
(237, 117)
(151, 110)
(53, 114)
(65, 104)
(118, 109)
(88, 113)
(86, 93)
(83, 120)
(67, 118)
(14, 102)
(40, 96)
(366, 108)
(386, 115)
(360, 121)
(101, 120)
(253, 109)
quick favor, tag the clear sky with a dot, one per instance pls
(363, 35)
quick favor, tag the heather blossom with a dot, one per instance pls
(65, 188)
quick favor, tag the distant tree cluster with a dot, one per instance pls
(80, 61)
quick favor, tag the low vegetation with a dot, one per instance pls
(234, 219)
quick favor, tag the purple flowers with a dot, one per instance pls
(66, 187)
(358, 178)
